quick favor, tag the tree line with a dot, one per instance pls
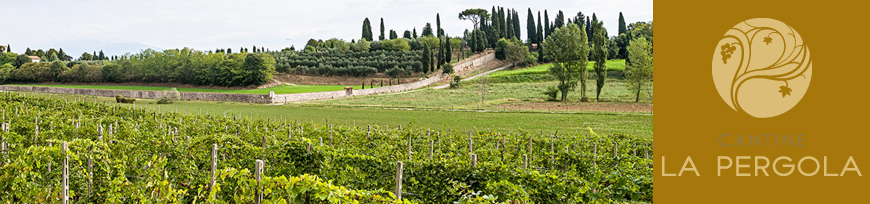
(186, 66)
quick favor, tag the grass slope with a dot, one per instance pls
(283, 89)
(636, 125)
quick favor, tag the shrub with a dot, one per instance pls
(122, 99)
(395, 71)
(552, 92)
(447, 68)
(455, 82)
(169, 95)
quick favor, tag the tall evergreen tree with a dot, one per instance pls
(580, 20)
(427, 30)
(229, 50)
(540, 33)
(503, 22)
(407, 34)
(510, 26)
(622, 28)
(102, 56)
(560, 20)
(382, 30)
(255, 48)
(63, 56)
(393, 35)
(448, 54)
(547, 30)
(495, 23)
(438, 24)
(517, 30)
(414, 34)
(29, 52)
(367, 30)
(530, 27)
(589, 29)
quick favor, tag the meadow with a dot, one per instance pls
(282, 89)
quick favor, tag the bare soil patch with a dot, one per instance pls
(583, 106)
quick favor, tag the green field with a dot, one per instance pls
(468, 96)
(612, 65)
(283, 89)
(639, 125)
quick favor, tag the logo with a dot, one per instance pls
(762, 67)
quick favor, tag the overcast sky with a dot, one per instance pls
(120, 25)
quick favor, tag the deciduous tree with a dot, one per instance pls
(567, 47)
(640, 71)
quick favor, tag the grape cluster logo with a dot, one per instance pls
(762, 67)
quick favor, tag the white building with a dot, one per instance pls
(34, 59)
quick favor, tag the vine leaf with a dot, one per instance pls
(767, 40)
(785, 91)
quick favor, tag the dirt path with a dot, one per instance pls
(475, 76)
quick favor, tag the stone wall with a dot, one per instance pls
(256, 98)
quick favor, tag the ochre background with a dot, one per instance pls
(690, 115)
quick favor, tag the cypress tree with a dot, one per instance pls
(382, 30)
(102, 56)
(415, 32)
(540, 33)
(255, 48)
(517, 30)
(407, 34)
(427, 30)
(367, 30)
(530, 27)
(622, 28)
(589, 30)
(30, 52)
(438, 24)
(547, 23)
(393, 35)
(560, 20)
(509, 27)
(503, 24)
(449, 51)
(494, 22)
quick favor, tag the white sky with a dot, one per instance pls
(85, 25)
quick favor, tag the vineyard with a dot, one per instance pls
(53, 150)
(349, 63)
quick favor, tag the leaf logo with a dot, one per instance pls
(762, 67)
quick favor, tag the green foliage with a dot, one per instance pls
(122, 99)
(552, 92)
(474, 15)
(447, 68)
(639, 72)
(352, 63)
(599, 55)
(568, 48)
(397, 45)
(367, 30)
(455, 82)
(259, 68)
(21, 60)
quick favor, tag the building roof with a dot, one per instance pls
(34, 57)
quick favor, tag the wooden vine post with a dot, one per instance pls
(431, 149)
(399, 167)
(214, 150)
(470, 142)
(525, 161)
(615, 148)
(473, 160)
(258, 170)
(65, 173)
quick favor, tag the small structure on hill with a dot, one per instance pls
(34, 59)
(348, 91)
